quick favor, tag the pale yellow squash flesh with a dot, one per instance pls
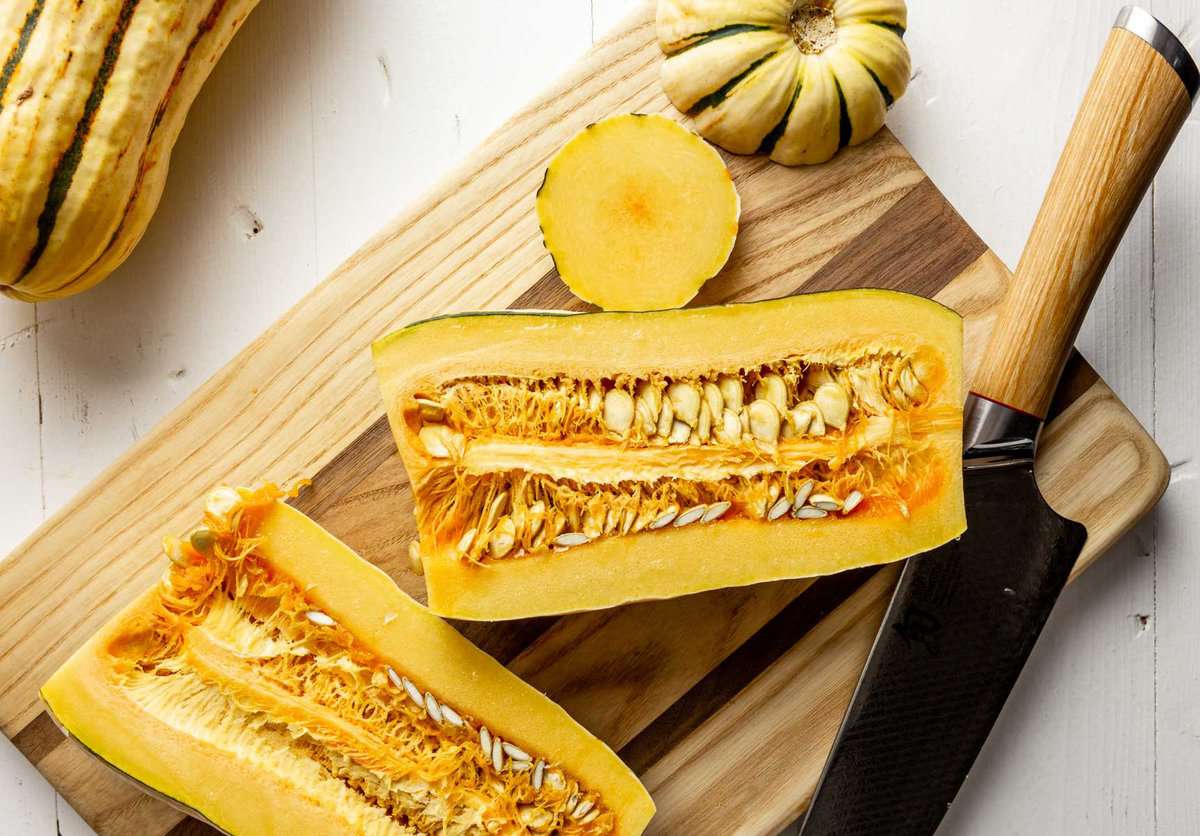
(638, 212)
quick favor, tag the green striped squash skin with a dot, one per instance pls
(92, 98)
(798, 80)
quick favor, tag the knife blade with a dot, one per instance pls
(965, 617)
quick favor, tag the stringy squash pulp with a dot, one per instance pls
(274, 682)
(637, 212)
(571, 462)
(796, 79)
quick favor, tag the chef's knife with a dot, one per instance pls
(964, 617)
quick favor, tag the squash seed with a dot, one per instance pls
(779, 508)
(485, 740)
(539, 773)
(571, 538)
(414, 693)
(690, 515)
(685, 400)
(394, 677)
(704, 424)
(318, 617)
(764, 421)
(716, 511)
(825, 502)
(202, 540)
(432, 707)
(515, 752)
(809, 513)
(664, 518)
(772, 389)
(834, 404)
(666, 419)
(583, 808)
(714, 398)
(497, 754)
(430, 410)
(680, 432)
(807, 419)
(851, 502)
(519, 766)
(452, 716)
(465, 542)
(221, 504)
(802, 494)
(732, 391)
(502, 538)
(730, 430)
(618, 411)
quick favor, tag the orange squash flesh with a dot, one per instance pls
(264, 687)
(534, 496)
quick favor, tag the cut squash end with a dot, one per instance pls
(564, 463)
(274, 682)
(638, 213)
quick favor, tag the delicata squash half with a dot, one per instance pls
(564, 462)
(275, 682)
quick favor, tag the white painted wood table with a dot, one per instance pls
(326, 117)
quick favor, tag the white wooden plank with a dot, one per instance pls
(20, 461)
(1177, 387)
(608, 13)
(27, 802)
(403, 91)
(1177, 392)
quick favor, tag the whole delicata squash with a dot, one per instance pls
(795, 79)
(567, 462)
(275, 682)
(92, 98)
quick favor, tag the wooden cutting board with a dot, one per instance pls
(726, 703)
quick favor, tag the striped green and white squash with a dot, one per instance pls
(92, 97)
(796, 79)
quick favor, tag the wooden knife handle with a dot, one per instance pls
(1136, 103)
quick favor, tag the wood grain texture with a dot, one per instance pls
(301, 401)
(1129, 117)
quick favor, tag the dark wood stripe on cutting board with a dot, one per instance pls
(38, 739)
(741, 666)
(936, 243)
(192, 827)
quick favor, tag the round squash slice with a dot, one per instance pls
(796, 79)
(637, 212)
